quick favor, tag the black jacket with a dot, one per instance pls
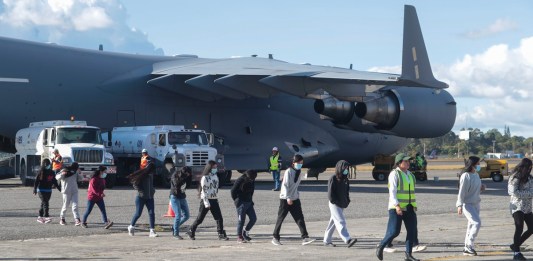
(242, 190)
(178, 183)
(145, 189)
(338, 192)
(46, 183)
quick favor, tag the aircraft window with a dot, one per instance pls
(198, 138)
(78, 135)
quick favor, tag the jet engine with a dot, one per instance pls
(409, 112)
(340, 112)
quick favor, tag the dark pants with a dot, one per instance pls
(90, 205)
(139, 205)
(296, 212)
(395, 225)
(243, 210)
(519, 219)
(215, 211)
(45, 199)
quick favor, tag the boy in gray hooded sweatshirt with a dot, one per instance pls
(69, 189)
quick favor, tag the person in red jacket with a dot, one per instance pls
(95, 195)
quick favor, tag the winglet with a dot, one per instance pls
(415, 61)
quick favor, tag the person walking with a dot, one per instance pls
(179, 182)
(209, 201)
(402, 207)
(95, 195)
(468, 202)
(339, 199)
(274, 165)
(242, 193)
(43, 187)
(69, 188)
(143, 181)
(57, 161)
(290, 201)
(520, 188)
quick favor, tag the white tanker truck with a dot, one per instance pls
(170, 146)
(75, 141)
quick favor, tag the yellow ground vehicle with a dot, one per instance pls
(494, 168)
(383, 165)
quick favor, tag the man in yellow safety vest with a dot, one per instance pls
(274, 166)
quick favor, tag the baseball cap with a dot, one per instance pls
(275, 149)
(144, 151)
(400, 157)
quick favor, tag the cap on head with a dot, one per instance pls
(144, 151)
(56, 151)
(400, 157)
(275, 149)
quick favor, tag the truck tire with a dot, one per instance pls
(497, 177)
(23, 174)
(379, 176)
(110, 180)
(228, 176)
(422, 176)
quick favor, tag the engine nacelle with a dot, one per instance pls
(340, 112)
(410, 112)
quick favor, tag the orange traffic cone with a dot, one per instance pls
(170, 211)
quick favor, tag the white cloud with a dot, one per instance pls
(500, 25)
(82, 23)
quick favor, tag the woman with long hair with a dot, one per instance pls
(43, 187)
(143, 181)
(520, 188)
(468, 202)
(95, 195)
(208, 189)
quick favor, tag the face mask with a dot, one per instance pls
(298, 166)
(103, 175)
(48, 167)
(478, 168)
(345, 172)
(213, 171)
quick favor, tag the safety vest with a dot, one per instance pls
(274, 162)
(406, 190)
(57, 163)
(144, 161)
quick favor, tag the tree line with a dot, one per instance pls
(479, 144)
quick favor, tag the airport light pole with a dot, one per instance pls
(493, 145)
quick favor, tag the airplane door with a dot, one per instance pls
(125, 118)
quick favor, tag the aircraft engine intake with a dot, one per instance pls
(410, 112)
(340, 112)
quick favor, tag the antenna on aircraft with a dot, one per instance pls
(351, 66)
(270, 56)
(101, 47)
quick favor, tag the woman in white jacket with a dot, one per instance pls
(69, 188)
(468, 202)
(520, 188)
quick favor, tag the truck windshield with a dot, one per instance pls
(78, 135)
(177, 138)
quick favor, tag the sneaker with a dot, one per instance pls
(307, 241)
(419, 248)
(276, 242)
(241, 240)
(329, 244)
(40, 220)
(153, 233)
(275, 189)
(62, 222)
(131, 230)
(47, 220)
(389, 250)
(469, 252)
(84, 225)
(351, 242)
(246, 235)
(190, 234)
(178, 237)
(108, 224)
(78, 222)
(519, 256)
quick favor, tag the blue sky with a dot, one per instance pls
(482, 48)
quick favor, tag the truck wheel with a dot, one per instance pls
(497, 177)
(110, 180)
(24, 174)
(228, 176)
(379, 176)
(422, 176)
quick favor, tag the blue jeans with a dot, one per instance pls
(395, 224)
(181, 212)
(275, 176)
(90, 205)
(139, 204)
(244, 209)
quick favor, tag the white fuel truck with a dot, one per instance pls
(75, 141)
(170, 146)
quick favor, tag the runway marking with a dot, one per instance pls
(20, 80)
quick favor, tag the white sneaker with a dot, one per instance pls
(390, 249)
(40, 220)
(47, 220)
(131, 230)
(152, 233)
(419, 248)
(307, 241)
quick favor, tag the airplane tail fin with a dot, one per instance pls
(416, 68)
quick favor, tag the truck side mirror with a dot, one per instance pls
(211, 138)
(174, 146)
(109, 144)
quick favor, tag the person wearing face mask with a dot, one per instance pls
(209, 201)
(95, 195)
(520, 188)
(339, 198)
(468, 199)
(290, 201)
(43, 187)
